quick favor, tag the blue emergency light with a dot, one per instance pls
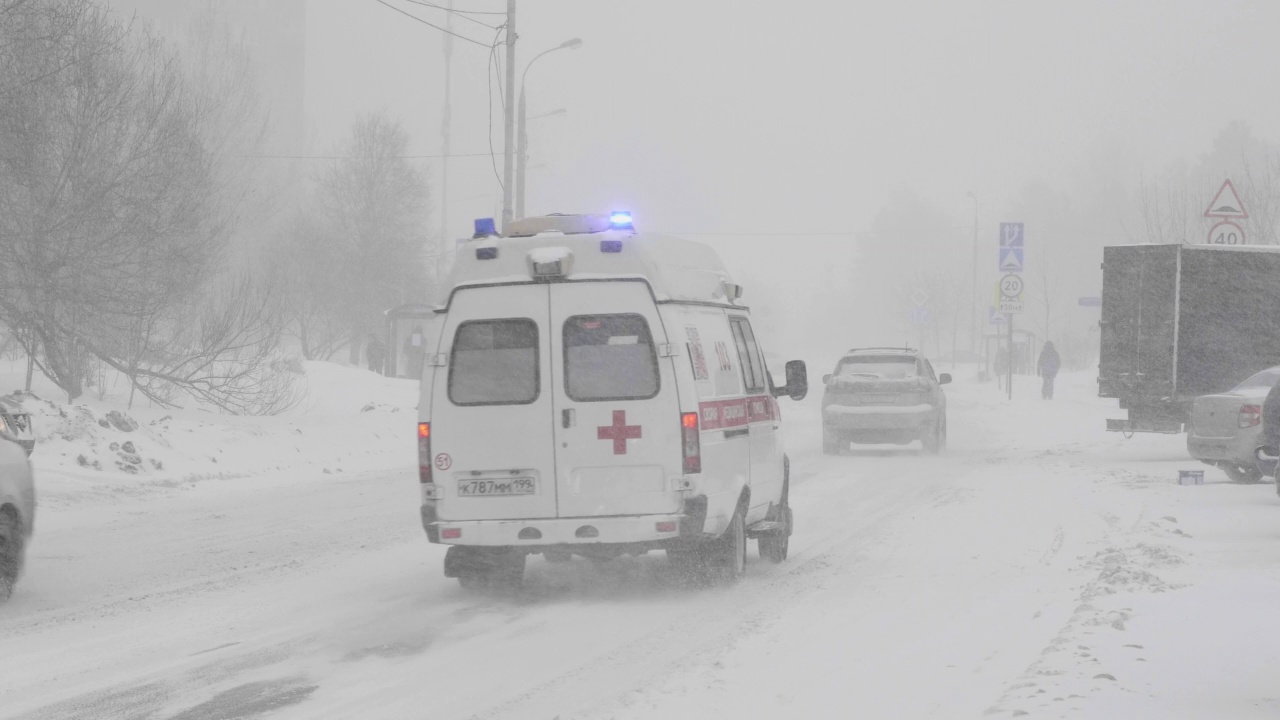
(485, 227)
(621, 220)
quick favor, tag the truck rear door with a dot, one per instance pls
(491, 413)
(618, 448)
(1139, 286)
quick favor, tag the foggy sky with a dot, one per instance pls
(741, 117)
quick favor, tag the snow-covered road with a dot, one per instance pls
(1040, 567)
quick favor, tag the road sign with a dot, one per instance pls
(1011, 286)
(920, 297)
(1010, 307)
(1226, 233)
(1226, 204)
(919, 316)
(1011, 259)
(1011, 234)
(994, 317)
(1009, 299)
(1090, 302)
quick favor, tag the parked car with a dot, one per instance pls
(1226, 429)
(17, 494)
(594, 391)
(884, 395)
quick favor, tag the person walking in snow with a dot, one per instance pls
(375, 353)
(1047, 368)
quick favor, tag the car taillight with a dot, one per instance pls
(1250, 416)
(424, 452)
(691, 442)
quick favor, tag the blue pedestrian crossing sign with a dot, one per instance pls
(919, 316)
(1012, 246)
(1011, 259)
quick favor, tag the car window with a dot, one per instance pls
(748, 355)
(609, 357)
(884, 367)
(495, 362)
(928, 368)
(1265, 379)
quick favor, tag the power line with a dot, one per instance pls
(461, 12)
(488, 79)
(424, 3)
(425, 22)
(358, 157)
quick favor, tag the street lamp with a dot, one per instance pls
(522, 146)
(975, 328)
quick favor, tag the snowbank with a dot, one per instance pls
(100, 448)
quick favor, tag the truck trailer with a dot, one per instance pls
(1180, 321)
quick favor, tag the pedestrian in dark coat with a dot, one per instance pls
(375, 353)
(1048, 367)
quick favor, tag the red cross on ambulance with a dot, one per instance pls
(619, 432)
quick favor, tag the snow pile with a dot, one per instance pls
(347, 418)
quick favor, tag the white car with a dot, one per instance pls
(590, 390)
(17, 495)
(1226, 429)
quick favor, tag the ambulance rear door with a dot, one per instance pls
(618, 436)
(492, 407)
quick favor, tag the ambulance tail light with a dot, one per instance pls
(424, 453)
(691, 442)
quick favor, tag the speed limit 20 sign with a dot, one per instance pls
(1010, 300)
(1226, 233)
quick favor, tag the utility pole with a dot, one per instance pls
(445, 129)
(522, 156)
(975, 329)
(508, 157)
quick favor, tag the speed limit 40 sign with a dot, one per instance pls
(1226, 233)
(1010, 300)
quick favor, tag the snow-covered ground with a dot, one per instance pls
(276, 567)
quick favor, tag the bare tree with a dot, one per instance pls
(116, 203)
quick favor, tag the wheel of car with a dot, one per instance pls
(494, 572)
(831, 444)
(936, 440)
(729, 560)
(1241, 474)
(11, 553)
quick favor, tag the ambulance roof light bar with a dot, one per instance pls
(621, 220)
(485, 227)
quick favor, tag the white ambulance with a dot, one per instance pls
(590, 390)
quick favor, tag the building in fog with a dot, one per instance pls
(275, 32)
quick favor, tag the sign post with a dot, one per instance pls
(1012, 261)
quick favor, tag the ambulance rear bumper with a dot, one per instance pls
(618, 530)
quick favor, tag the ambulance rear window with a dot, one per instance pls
(609, 357)
(494, 362)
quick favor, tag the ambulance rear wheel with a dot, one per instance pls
(728, 556)
(496, 571)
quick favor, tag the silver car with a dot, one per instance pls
(17, 494)
(884, 395)
(1226, 429)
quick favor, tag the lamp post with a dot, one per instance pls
(522, 148)
(975, 328)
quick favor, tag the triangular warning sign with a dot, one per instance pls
(1226, 204)
(1011, 259)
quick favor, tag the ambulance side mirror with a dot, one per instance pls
(797, 380)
